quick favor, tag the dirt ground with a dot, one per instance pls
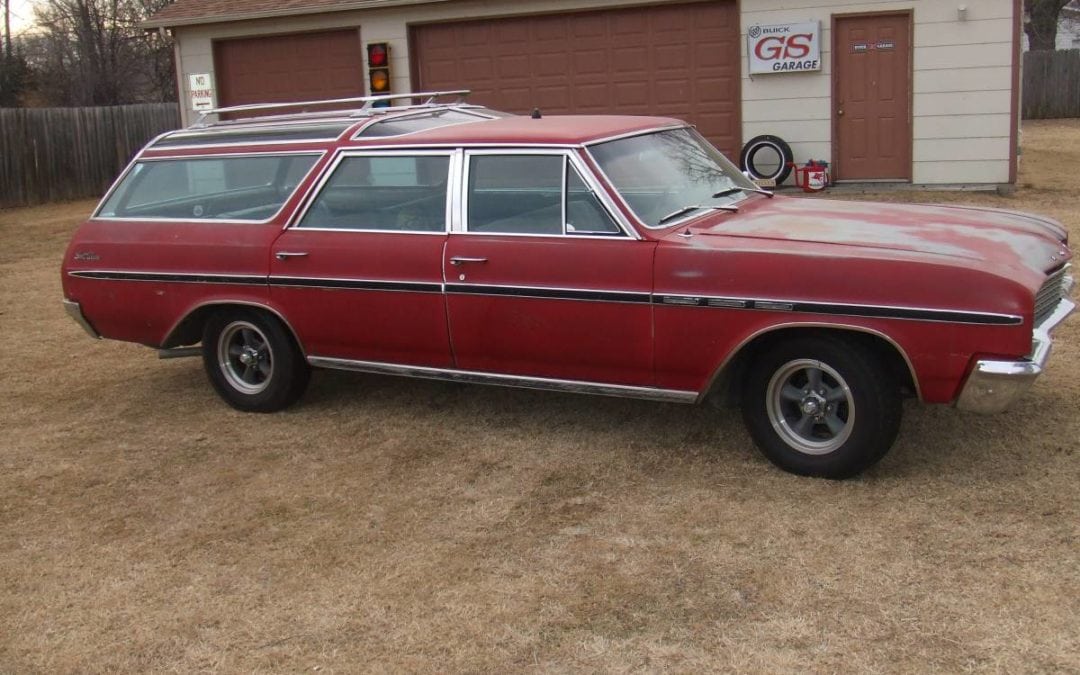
(396, 525)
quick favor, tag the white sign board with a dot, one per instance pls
(201, 90)
(784, 47)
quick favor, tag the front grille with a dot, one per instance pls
(1051, 293)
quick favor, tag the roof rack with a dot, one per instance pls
(368, 105)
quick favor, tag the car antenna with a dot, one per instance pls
(536, 114)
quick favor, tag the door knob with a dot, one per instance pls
(840, 112)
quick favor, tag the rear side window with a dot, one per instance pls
(400, 192)
(210, 188)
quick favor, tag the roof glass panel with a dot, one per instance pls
(397, 126)
(265, 134)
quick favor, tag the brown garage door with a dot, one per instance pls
(675, 60)
(297, 67)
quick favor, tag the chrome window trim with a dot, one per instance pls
(614, 236)
(455, 200)
(518, 381)
(345, 153)
(627, 231)
(469, 146)
(318, 154)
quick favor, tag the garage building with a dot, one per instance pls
(916, 91)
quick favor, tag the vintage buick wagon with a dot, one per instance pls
(596, 254)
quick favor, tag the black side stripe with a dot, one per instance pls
(356, 284)
(794, 306)
(231, 279)
(549, 293)
(865, 311)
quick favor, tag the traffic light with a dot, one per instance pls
(378, 57)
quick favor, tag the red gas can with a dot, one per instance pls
(813, 176)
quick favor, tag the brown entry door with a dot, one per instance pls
(872, 97)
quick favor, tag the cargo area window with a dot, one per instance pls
(399, 192)
(207, 188)
(533, 194)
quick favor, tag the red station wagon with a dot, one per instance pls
(610, 255)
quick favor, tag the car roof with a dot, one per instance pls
(517, 130)
(489, 128)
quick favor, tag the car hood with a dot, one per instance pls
(979, 235)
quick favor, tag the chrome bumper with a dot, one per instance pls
(74, 310)
(993, 386)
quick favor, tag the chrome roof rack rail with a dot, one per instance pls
(348, 104)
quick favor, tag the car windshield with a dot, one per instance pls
(668, 175)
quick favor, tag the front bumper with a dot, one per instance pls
(74, 310)
(993, 386)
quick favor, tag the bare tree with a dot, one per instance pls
(1042, 23)
(93, 52)
(14, 74)
(7, 29)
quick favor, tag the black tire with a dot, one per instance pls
(252, 361)
(835, 429)
(754, 154)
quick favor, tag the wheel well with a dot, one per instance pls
(190, 329)
(725, 388)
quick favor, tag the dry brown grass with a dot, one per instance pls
(394, 525)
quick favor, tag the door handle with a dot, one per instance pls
(840, 112)
(457, 261)
(285, 255)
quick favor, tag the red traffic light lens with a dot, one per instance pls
(377, 54)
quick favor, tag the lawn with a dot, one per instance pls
(403, 525)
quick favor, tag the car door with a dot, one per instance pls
(542, 280)
(359, 273)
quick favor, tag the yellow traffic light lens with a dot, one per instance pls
(380, 81)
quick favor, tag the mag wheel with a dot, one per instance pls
(252, 361)
(821, 406)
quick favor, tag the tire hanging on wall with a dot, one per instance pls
(767, 157)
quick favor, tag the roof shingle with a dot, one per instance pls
(193, 12)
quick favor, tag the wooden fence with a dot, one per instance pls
(1051, 84)
(55, 154)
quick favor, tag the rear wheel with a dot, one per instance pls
(821, 406)
(252, 361)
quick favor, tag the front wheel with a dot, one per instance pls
(252, 361)
(821, 406)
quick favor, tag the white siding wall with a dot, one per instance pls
(961, 88)
(376, 25)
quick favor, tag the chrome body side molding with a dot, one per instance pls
(518, 381)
